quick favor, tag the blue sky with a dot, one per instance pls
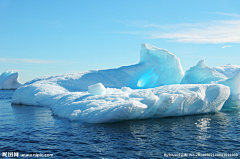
(39, 38)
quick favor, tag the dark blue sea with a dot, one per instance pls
(34, 132)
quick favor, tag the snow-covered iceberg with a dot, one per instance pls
(124, 104)
(9, 80)
(128, 92)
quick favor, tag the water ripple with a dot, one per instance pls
(31, 129)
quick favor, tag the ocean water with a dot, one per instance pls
(26, 131)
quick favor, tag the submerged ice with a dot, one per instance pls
(9, 80)
(155, 87)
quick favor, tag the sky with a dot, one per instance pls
(39, 38)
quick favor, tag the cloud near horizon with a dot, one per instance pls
(224, 31)
(22, 60)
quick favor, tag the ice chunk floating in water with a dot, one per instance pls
(124, 104)
(112, 95)
(9, 80)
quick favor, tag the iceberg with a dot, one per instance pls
(126, 103)
(148, 89)
(9, 80)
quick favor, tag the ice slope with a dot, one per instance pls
(125, 103)
(156, 67)
(228, 70)
(9, 80)
(202, 74)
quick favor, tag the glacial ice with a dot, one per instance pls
(9, 80)
(156, 67)
(233, 102)
(124, 104)
(202, 74)
(228, 75)
(148, 89)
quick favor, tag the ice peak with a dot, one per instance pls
(150, 53)
(150, 47)
(157, 61)
(201, 64)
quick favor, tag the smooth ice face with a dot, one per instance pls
(202, 74)
(124, 104)
(166, 68)
(233, 103)
(228, 70)
(9, 80)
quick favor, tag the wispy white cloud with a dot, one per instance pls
(226, 46)
(228, 14)
(22, 60)
(224, 31)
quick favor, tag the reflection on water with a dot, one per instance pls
(203, 125)
(34, 129)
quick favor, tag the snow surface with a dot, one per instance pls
(228, 70)
(124, 104)
(9, 80)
